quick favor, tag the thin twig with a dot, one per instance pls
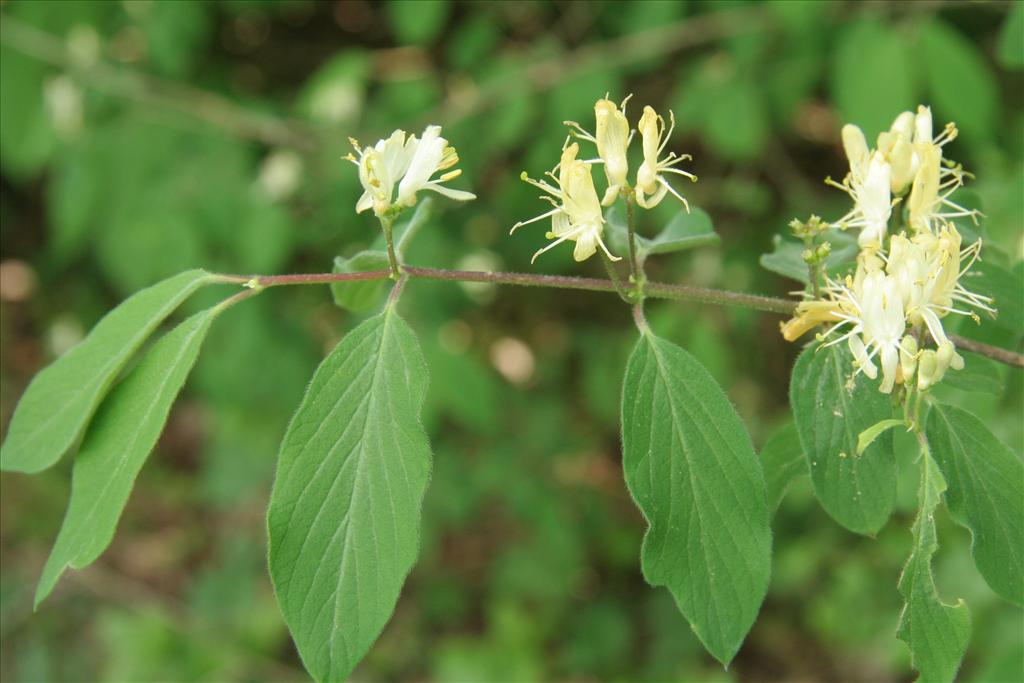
(658, 290)
(993, 352)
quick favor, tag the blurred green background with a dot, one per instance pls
(138, 139)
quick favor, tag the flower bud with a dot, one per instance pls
(908, 357)
(856, 147)
(927, 370)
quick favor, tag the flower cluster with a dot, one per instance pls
(408, 162)
(904, 284)
(576, 215)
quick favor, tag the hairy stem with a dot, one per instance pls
(613, 273)
(658, 290)
(634, 265)
(386, 223)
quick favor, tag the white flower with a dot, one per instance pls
(433, 154)
(872, 320)
(868, 184)
(930, 204)
(576, 215)
(612, 137)
(651, 185)
(928, 270)
(407, 162)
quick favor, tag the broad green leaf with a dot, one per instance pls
(1011, 38)
(936, 633)
(867, 437)
(58, 403)
(830, 412)
(685, 231)
(692, 471)
(344, 515)
(873, 78)
(119, 440)
(786, 258)
(783, 460)
(360, 296)
(961, 85)
(986, 495)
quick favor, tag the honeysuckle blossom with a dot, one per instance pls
(612, 137)
(868, 184)
(408, 162)
(896, 146)
(928, 269)
(576, 216)
(651, 185)
(871, 319)
(930, 206)
(905, 284)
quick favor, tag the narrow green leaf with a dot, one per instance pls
(1011, 38)
(692, 471)
(961, 85)
(830, 411)
(865, 438)
(59, 402)
(344, 515)
(936, 633)
(986, 495)
(783, 461)
(873, 77)
(116, 445)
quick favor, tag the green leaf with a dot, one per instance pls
(783, 460)
(1004, 287)
(118, 441)
(344, 515)
(960, 84)
(692, 471)
(360, 296)
(830, 412)
(27, 137)
(986, 495)
(873, 79)
(685, 231)
(737, 124)
(417, 22)
(979, 374)
(786, 258)
(59, 402)
(936, 633)
(1011, 39)
(867, 437)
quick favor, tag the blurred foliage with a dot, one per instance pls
(138, 139)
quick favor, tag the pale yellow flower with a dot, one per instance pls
(651, 185)
(576, 216)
